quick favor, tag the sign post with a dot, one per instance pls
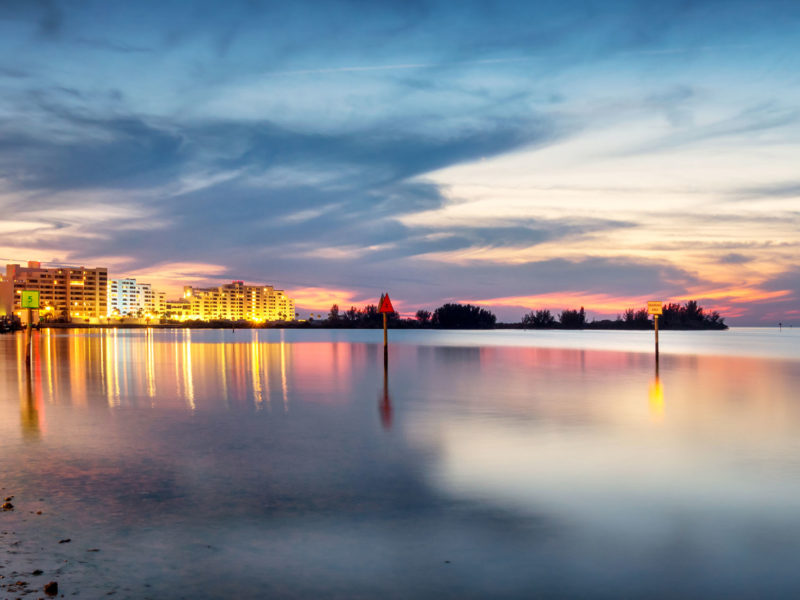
(385, 307)
(29, 299)
(655, 308)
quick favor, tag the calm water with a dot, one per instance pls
(206, 464)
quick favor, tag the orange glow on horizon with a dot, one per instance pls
(735, 295)
(730, 302)
(600, 303)
(321, 298)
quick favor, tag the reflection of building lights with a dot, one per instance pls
(656, 397)
(255, 354)
(188, 380)
(284, 386)
(151, 377)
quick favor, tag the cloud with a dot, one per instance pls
(112, 45)
(760, 118)
(119, 152)
(788, 189)
(46, 14)
(129, 151)
(12, 72)
(734, 258)
(321, 299)
(236, 207)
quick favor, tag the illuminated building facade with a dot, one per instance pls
(127, 297)
(74, 293)
(237, 301)
(179, 310)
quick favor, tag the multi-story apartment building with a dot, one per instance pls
(155, 302)
(72, 293)
(179, 310)
(237, 301)
(127, 297)
(122, 297)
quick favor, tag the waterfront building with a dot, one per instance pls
(126, 297)
(180, 310)
(75, 294)
(237, 301)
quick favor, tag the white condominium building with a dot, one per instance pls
(126, 297)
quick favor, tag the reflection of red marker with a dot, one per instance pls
(385, 404)
(386, 412)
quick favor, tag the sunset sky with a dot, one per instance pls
(518, 155)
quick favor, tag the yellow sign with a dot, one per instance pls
(654, 307)
(30, 299)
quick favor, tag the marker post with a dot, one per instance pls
(655, 308)
(655, 323)
(385, 307)
(29, 299)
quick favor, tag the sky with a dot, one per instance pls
(516, 155)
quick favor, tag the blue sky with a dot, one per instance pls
(517, 154)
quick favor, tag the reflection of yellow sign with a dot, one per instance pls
(29, 299)
(656, 396)
(654, 307)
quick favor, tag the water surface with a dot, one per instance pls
(216, 463)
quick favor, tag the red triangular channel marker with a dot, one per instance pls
(386, 305)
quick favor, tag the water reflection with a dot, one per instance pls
(385, 401)
(211, 369)
(188, 379)
(155, 368)
(656, 398)
(30, 405)
(258, 458)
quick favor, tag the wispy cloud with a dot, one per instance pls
(404, 66)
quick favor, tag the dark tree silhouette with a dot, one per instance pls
(463, 316)
(538, 320)
(333, 314)
(573, 319)
(637, 319)
(690, 316)
(423, 316)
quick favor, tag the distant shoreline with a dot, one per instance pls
(325, 325)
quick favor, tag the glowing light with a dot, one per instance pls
(255, 357)
(738, 295)
(188, 379)
(284, 386)
(321, 298)
(656, 400)
(151, 379)
(601, 303)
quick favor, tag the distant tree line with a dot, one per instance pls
(447, 316)
(675, 316)
(467, 316)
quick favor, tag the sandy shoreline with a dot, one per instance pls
(39, 562)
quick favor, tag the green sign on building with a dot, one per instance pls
(30, 299)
